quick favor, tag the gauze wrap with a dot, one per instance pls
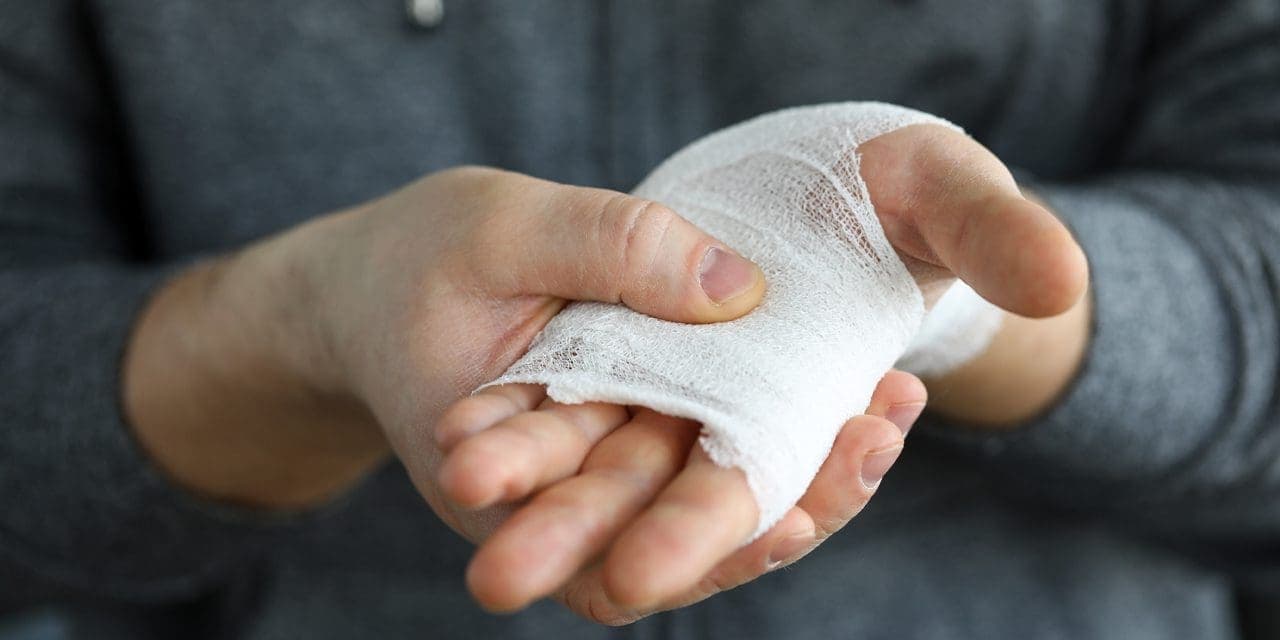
(773, 388)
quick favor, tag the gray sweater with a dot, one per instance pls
(137, 135)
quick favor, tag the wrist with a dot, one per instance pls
(286, 292)
(229, 388)
(1028, 366)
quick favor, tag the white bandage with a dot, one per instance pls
(773, 388)
(958, 327)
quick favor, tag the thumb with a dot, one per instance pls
(595, 244)
(946, 200)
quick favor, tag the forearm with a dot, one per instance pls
(228, 387)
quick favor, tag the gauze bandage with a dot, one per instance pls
(958, 327)
(773, 388)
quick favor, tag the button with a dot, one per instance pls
(425, 13)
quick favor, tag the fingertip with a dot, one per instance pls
(1056, 272)
(1074, 275)
(897, 388)
(626, 592)
(1023, 259)
(655, 558)
(715, 285)
(458, 422)
(877, 449)
(701, 518)
(695, 305)
(629, 578)
(745, 302)
(864, 436)
(732, 285)
(493, 584)
(840, 491)
(466, 484)
(796, 533)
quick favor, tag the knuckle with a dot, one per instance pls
(495, 222)
(500, 208)
(564, 433)
(609, 616)
(500, 199)
(634, 230)
(713, 583)
(825, 527)
(718, 582)
(635, 482)
(641, 458)
(957, 162)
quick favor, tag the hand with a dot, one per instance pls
(669, 532)
(960, 214)
(278, 376)
(455, 274)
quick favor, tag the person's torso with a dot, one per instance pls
(245, 117)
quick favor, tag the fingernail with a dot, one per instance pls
(788, 548)
(877, 463)
(904, 415)
(725, 275)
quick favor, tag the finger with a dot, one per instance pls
(900, 397)
(594, 244)
(862, 454)
(525, 452)
(838, 492)
(794, 533)
(947, 200)
(865, 447)
(705, 514)
(478, 412)
(547, 541)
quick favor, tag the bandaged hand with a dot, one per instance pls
(622, 514)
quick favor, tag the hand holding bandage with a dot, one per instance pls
(774, 388)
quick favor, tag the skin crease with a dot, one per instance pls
(279, 376)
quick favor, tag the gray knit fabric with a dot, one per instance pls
(136, 135)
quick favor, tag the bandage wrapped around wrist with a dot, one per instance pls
(772, 389)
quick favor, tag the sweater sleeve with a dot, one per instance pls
(81, 507)
(1172, 428)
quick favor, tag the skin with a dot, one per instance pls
(280, 375)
